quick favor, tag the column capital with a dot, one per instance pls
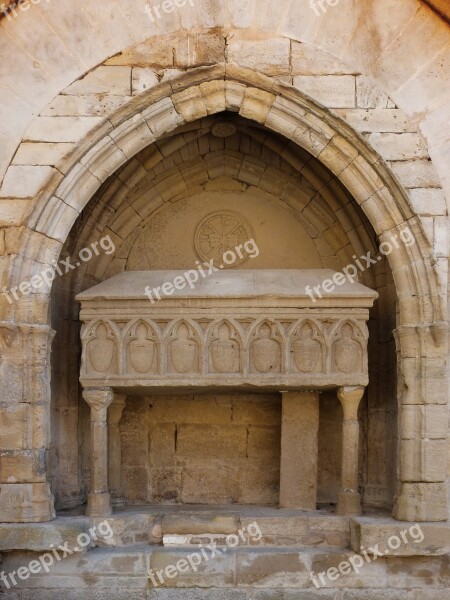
(350, 398)
(99, 399)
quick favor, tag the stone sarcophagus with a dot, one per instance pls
(238, 330)
(232, 329)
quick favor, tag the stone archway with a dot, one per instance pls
(421, 331)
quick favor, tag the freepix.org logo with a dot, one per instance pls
(155, 11)
(191, 278)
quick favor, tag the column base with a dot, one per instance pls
(349, 504)
(99, 505)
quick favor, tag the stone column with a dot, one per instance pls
(299, 450)
(115, 450)
(349, 501)
(99, 504)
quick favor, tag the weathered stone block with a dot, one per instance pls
(162, 444)
(39, 537)
(62, 129)
(26, 503)
(270, 56)
(214, 96)
(417, 502)
(22, 466)
(162, 117)
(416, 173)
(13, 429)
(334, 91)
(377, 120)
(142, 80)
(256, 104)
(370, 575)
(368, 95)
(165, 484)
(262, 410)
(153, 52)
(197, 594)
(200, 524)
(412, 539)
(111, 80)
(416, 572)
(42, 154)
(199, 49)
(191, 409)
(272, 569)
(209, 485)
(418, 421)
(26, 181)
(264, 442)
(428, 201)
(13, 211)
(299, 445)
(424, 460)
(398, 146)
(310, 60)
(225, 441)
(217, 571)
(190, 104)
(259, 485)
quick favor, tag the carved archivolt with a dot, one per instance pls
(258, 347)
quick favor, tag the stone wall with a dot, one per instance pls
(202, 449)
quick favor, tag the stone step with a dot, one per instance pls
(244, 528)
(150, 573)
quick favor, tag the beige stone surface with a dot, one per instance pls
(299, 86)
(299, 445)
(428, 539)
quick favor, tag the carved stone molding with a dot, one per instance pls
(276, 338)
(283, 348)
